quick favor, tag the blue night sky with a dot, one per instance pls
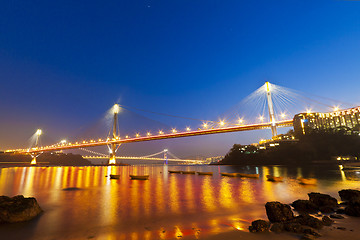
(63, 64)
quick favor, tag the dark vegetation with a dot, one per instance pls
(59, 159)
(314, 146)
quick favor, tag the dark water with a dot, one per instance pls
(167, 206)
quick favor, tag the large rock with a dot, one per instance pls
(353, 209)
(310, 221)
(278, 212)
(18, 209)
(259, 226)
(327, 221)
(305, 206)
(310, 231)
(294, 227)
(324, 202)
(350, 195)
(277, 227)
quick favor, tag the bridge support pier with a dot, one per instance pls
(112, 158)
(33, 161)
(165, 156)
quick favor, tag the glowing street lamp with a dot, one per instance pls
(283, 115)
(161, 132)
(205, 125)
(188, 129)
(137, 135)
(148, 133)
(261, 118)
(308, 111)
(63, 141)
(336, 109)
(222, 123)
(173, 130)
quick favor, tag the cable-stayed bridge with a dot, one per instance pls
(271, 97)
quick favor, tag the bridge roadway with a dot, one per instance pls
(238, 128)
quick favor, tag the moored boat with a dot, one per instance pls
(139, 177)
(272, 178)
(307, 181)
(246, 175)
(114, 176)
(188, 172)
(204, 173)
(171, 171)
(228, 174)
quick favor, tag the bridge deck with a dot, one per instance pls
(285, 123)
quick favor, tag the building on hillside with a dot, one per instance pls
(282, 139)
(305, 122)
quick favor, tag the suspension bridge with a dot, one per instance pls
(264, 98)
(161, 156)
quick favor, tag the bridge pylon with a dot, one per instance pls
(271, 109)
(165, 156)
(34, 156)
(115, 135)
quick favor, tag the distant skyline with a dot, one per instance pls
(64, 64)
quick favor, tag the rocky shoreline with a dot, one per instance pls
(18, 209)
(319, 211)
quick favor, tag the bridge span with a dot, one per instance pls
(127, 139)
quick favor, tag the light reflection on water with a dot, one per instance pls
(167, 206)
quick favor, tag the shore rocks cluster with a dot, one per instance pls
(18, 209)
(282, 218)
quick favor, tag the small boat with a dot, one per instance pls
(228, 174)
(188, 172)
(204, 173)
(307, 181)
(272, 178)
(114, 176)
(245, 175)
(139, 177)
(170, 171)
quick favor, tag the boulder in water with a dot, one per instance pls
(259, 226)
(324, 202)
(18, 209)
(350, 195)
(305, 206)
(278, 212)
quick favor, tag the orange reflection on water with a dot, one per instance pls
(167, 206)
(226, 199)
(207, 194)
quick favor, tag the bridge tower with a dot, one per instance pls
(271, 109)
(165, 156)
(112, 149)
(38, 134)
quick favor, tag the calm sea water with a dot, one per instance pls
(167, 206)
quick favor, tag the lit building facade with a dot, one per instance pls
(305, 122)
